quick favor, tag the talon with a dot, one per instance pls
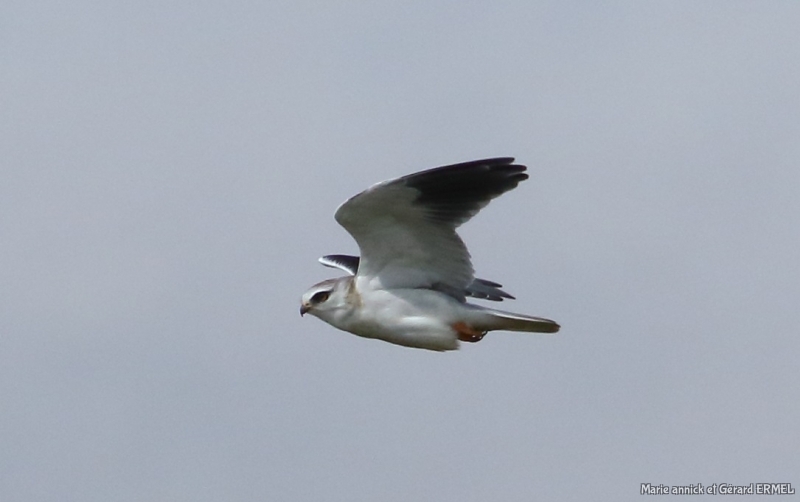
(467, 334)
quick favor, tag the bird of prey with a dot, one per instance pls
(410, 284)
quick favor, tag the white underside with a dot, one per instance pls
(419, 318)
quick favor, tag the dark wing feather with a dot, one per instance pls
(454, 194)
(487, 290)
(341, 261)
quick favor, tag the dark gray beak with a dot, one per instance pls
(303, 309)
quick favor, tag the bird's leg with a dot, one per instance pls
(467, 334)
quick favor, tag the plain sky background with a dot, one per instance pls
(169, 176)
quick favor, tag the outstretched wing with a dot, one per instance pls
(478, 288)
(406, 227)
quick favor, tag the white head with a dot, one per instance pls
(327, 300)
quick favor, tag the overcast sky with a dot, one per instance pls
(169, 176)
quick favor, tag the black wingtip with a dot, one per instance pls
(456, 192)
(342, 262)
(487, 290)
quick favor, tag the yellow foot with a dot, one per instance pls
(467, 334)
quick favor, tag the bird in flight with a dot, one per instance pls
(410, 284)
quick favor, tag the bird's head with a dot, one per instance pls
(327, 300)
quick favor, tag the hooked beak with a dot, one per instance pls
(303, 309)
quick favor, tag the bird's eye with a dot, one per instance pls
(320, 297)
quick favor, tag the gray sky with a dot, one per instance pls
(169, 176)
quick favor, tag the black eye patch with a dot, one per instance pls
(320, 297)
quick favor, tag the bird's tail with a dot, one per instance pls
(499, 320)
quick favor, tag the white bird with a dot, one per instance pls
(409, 286)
